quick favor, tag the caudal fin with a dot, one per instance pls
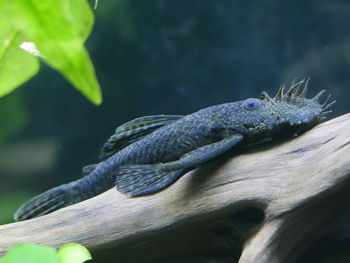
(45, 203)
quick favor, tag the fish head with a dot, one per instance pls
(290, 111)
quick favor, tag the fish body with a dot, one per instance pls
(150, 153)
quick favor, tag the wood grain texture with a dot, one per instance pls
(267, 204)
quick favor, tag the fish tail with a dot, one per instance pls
(47, 202)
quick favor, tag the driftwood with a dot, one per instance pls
(275, 202)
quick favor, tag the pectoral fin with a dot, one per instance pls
(203, 154)
(133, 131)
(138, 180)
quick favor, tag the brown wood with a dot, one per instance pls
(267, 204)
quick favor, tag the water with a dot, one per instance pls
(167, 57)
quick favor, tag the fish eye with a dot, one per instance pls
(251, 104)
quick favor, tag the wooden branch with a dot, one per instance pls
(265, 205)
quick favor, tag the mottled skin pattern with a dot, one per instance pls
(156, 160)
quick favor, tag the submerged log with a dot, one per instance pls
(270, 203)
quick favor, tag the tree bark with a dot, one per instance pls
(276, 202)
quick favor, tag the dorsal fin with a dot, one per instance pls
(133, 131)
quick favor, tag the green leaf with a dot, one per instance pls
(73, 253)
(16, 66)
(59, 30)
(29, 253)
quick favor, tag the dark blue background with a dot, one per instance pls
(168, 57)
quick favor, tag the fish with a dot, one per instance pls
(150, 153)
